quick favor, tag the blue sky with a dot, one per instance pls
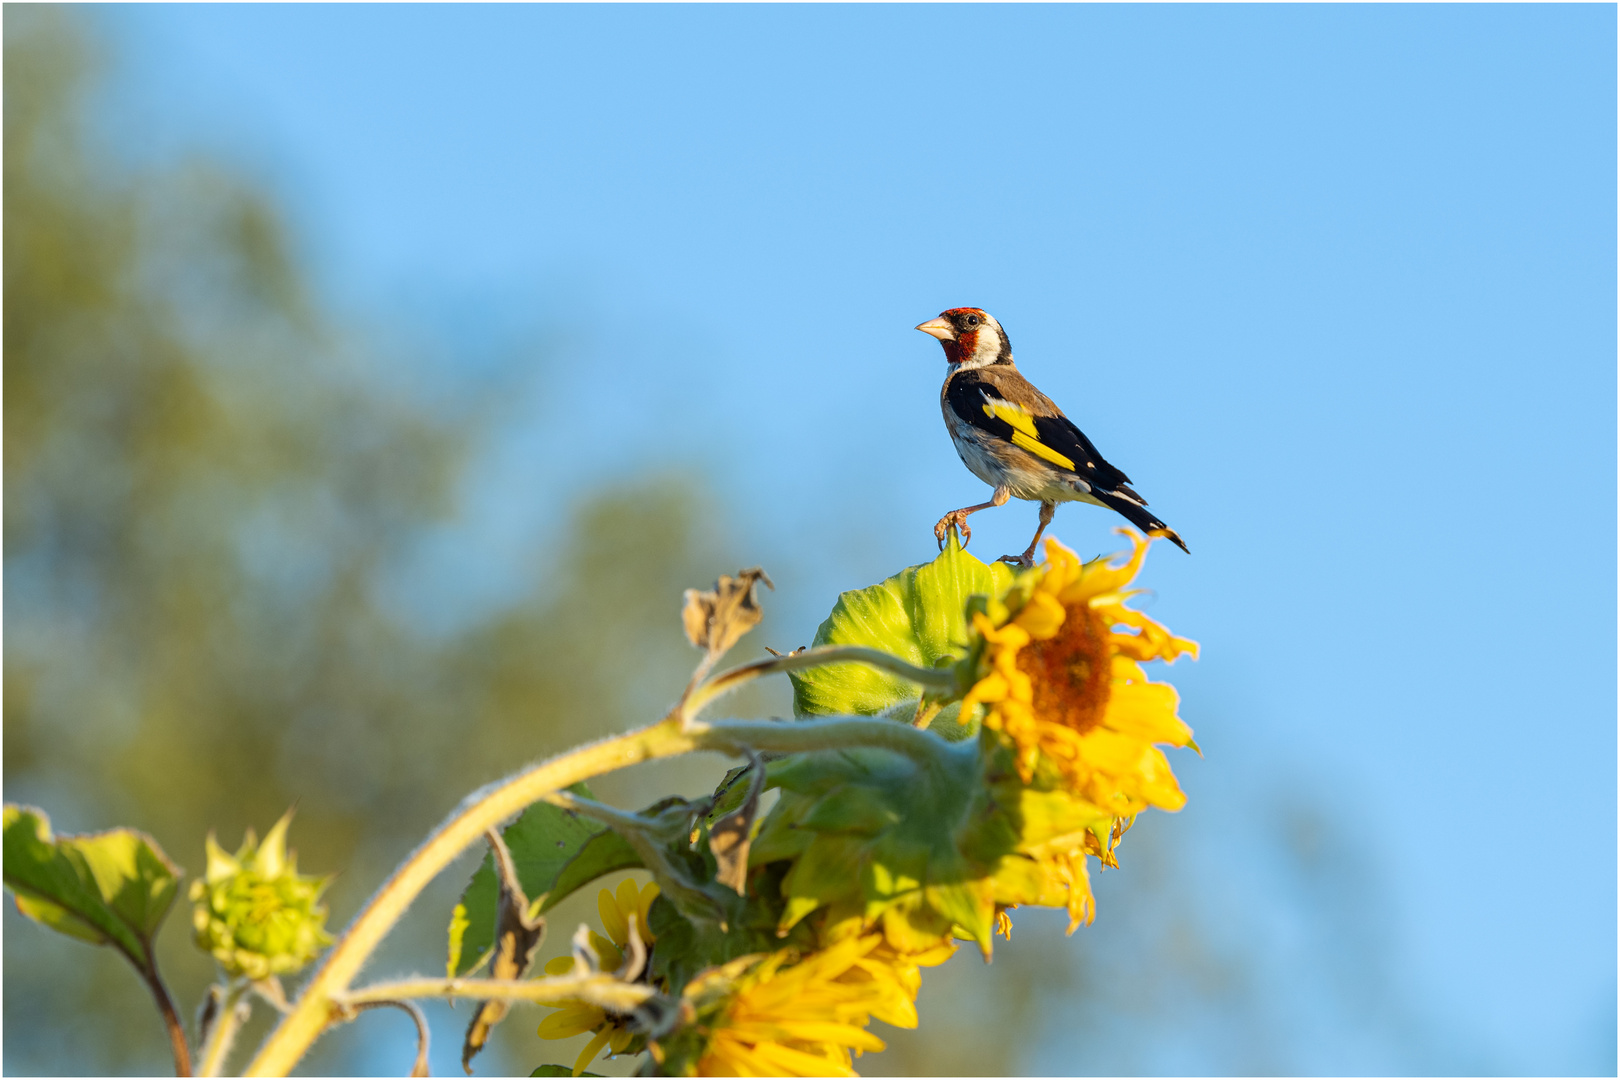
(1335, 285)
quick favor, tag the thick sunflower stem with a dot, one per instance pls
(482, 810)
(603, 990)
(736, 737)
(939, 680)
(321, 1001)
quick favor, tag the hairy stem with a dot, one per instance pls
(623, 820)
(222, 1034)
(603, 990)
(825, 733)
(936, 679)
(488, 807)
(420, 1066)
(482, 810)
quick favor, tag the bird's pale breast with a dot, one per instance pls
(1000, 463)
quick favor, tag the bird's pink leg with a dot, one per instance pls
(1028, 557)
(957, 519)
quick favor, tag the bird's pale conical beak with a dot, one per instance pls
(940, 328)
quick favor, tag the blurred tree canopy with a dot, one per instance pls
(207, 476)
(204, 482)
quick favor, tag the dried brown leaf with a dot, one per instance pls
(517, 937)
(729, 836)
(715, 620)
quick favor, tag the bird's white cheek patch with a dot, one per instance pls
(989, 346)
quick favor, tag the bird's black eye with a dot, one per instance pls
(973, 320)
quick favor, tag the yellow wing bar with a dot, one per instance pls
(1024, 435)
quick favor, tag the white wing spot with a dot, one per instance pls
(995, 402)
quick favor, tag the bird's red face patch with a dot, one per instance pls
(964, 345)
(966, 321)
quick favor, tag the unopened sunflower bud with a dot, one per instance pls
(254, 912)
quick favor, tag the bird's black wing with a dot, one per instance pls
(1053, 438)
(1060, 433)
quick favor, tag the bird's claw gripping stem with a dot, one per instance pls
(956, 519)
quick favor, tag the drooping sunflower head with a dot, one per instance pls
(1058, 662)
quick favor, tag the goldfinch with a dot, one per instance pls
(1011, 436)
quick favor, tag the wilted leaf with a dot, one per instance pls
(518, 933)
(714, 620)
(111, 888)
(917, 615)
(555, 853)
(729, 835)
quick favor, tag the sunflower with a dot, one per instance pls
(1061, 672)
(787, 1016)
(577, 1017)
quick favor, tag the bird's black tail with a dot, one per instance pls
(1133, 508)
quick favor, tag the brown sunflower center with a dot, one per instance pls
(1070, 672)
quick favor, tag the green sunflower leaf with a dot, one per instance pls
(111, 888)
(917, 615)
(925, 850)
(876, 834)
(688, 946)
(556, 852)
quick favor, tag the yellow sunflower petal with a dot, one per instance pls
(1061, 569)
(1152, 641)
(1041, 616)
(649, 893)
(574, 1018)
(786, 1061)
(592, 1048)
(988, 690)
(607, 953)
(628, 896)
(1146, 711)
(607, 908)
(801, 1016)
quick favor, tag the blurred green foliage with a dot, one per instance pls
(206, 477)
(205, 482)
